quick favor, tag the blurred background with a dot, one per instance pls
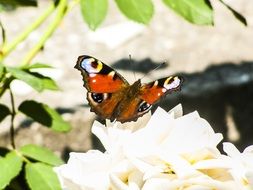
(216, 62)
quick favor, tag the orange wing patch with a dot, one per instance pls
(153, 91)
(151, 95)
(105, 83)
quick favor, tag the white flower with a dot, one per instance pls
(92, 170)
(235, 166)
(171, 152)
(241, 167)
(189, 136)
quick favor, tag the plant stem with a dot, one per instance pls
(72, 4)
(3, 34)
(5, 85)
(13, 114)
(7, 48)
(61, 10)
(22, 156)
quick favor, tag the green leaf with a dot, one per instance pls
(28, 78)
(38, 81)
(47, 82)
(4, 111)
(195, 11)
(38, 66)
(4, 7)
(236, 14)
(45, 115)
(41, 154)
(94, 12)
(41, 177)
(137, 10)
(3, 151)
(18, 2)
(10, 166)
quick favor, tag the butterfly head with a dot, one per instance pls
(143, 106)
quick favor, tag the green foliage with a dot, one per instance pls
(197, 11)
(41, 154)
(139, 11)
(38, 161)
(94, 12)
(4, 111)
(10, 5)
(237, 15)
(10, 166)
(26, 77)
(39, 173)
(3, 151)
(38, 66)
(47, 82)
(15, 3)
(45, 115)
(41, 176)
(35, 80)
(2, 68)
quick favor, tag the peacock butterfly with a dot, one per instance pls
(110, 96)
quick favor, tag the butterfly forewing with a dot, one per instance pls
(98, 77)
(153, 91)
(105, 86)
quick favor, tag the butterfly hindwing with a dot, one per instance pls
(99, 77)
(106, 108)
(121, 105)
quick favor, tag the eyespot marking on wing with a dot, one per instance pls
(144, 107)
(97, 98)
(91, 65)
(172, 83)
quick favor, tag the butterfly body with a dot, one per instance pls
(112, 97)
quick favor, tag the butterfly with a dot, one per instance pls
(110, 96)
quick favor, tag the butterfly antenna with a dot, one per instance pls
(157, 67)
(131, 62)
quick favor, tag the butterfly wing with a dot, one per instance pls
(141, 97)
(104, 85)
(153, 91)
(99, 77)
(133, 109)
(110, 95)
